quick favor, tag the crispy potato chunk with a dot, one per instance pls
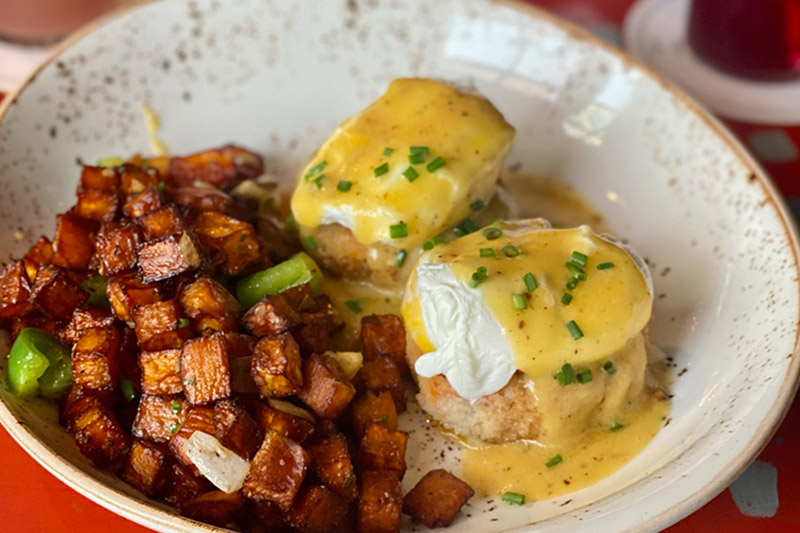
(201, 199)
(94, 359)
(371, 407)
(40, 254)
(380, 502)
(184, 485)
(293, 425)
(142, 203)
(205, 369)
(384, 334)
(317, 510)
(276, 367)
(382, 448)
(278, 243)
(234, 240)
(264, 517)
(148, 467)
(160, 326)
(161, 222)
(55, 294)
(331, 463)
(320, 322)
(96, 430)
(126, 292)
(277, 471)
(436, 498)
(236, 429)
(210, 306)
(223, 168)
(215, 507)
(15, 291)
(73, 245)
(99, 178)
(18, 323)
(161, 372)
(159, 417)
(272, 315)
(168, 257)
(326, 389)
(83, 319)
(381, 374)
(97, 205)
(197, 418)
(134, 179)
(116, 247)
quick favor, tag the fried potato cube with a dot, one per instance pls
(134, 179)
(201, 199)
(83, 319)
(161, 372)
(55, 294)
(210, 306)
(234, 240)
(148, 467)
(263, 517)
(381, 374)
(197, 418)
(382, 448)
(276, 367)
(205, 369)
(279, 244)
(384, 334)
(436, 498)
(97, 205)
(326, 389)
(97, 431)
(371, 407)
(168, 257)
(272, 315)
(159, 417)
(236, 429)
(277, 471)
(116, 247)
(223, 168)
(161, 222)
(239, 345)
(18, 323)
(160, 326)
(144, 202)
(40, 254)
(320, 322)
(380, 502)
(331, 463)
(99, 178)
(15, 291)
(317, 510)
(127, 291)
(215, 507)
(94, 359)
(73, 245)
(183, 485)
(286, 419)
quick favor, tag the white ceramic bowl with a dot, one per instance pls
(278, 75)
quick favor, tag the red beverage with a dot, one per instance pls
(758, 39)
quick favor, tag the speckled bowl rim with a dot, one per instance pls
(155, 517)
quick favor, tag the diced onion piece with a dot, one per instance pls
(290, 409)
(351, 362)
(221, 466)
(241, 379)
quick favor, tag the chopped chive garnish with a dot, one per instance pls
(173, 428)
(183, 322)
(126, 387)
(344, 186)
(577, 271)
(584, 376)
(514, 498)
(401, 258)
(510, 250)
(477, 205)
(176, 407)
(487, 252)
(436, 164)
(478, 277)
(609, 367)
(556, 459)
(574, 330)
(110, 162)
(579, 258)
(519, 301)
(318, 181)
(189, 382)
(465, 227)
(384, 419)
(566, 375)
(160, 190)
(388, 151)
(572, 283)
(617, 426)
(290, 223)
(398, 231)
(309, 242)
(318, 168)
(355, 305)
(566, 298)
(492, 233)
(416, 159)
(349, 481)
(410, 174)
(419, 150)
(530, 282)
(381, 170)
(605, 266)
(432, 243)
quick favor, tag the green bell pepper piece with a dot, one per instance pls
(96, 287)
(296, 270)
(39, 362)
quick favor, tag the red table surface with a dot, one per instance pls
(35, 501)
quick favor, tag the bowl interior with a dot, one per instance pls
(278, 76)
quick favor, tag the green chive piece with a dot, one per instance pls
(173, 428)
(126, 388)
(514, 498)
(530, 282)
(388, 151)
(492, 233)
(428, 245)
(519, 301)
(189, 382)
(572, 283)
(419, 150)
(398, 231)
(556, 459)
(574, 330)
(477, 205)
(579, 258)
(349, 481)
(465, 227)
(605, 266)
(384, 419)
(160, 190)
(617, 426)
(381, 170)
(318, 181)
(478, 277)
(344, 186)
(411, 174)
(609, 367)
(510, 251)
(318, 168)
(110, 162)
(566, 375)
(183, 322)
(487, 252)
(584, 376)
(401, 258)
(576, 270)
(176, 407)
(566, 298)
(309, 242)
(416, 159)
(355, 305)
(290, 223)
(436, 164)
